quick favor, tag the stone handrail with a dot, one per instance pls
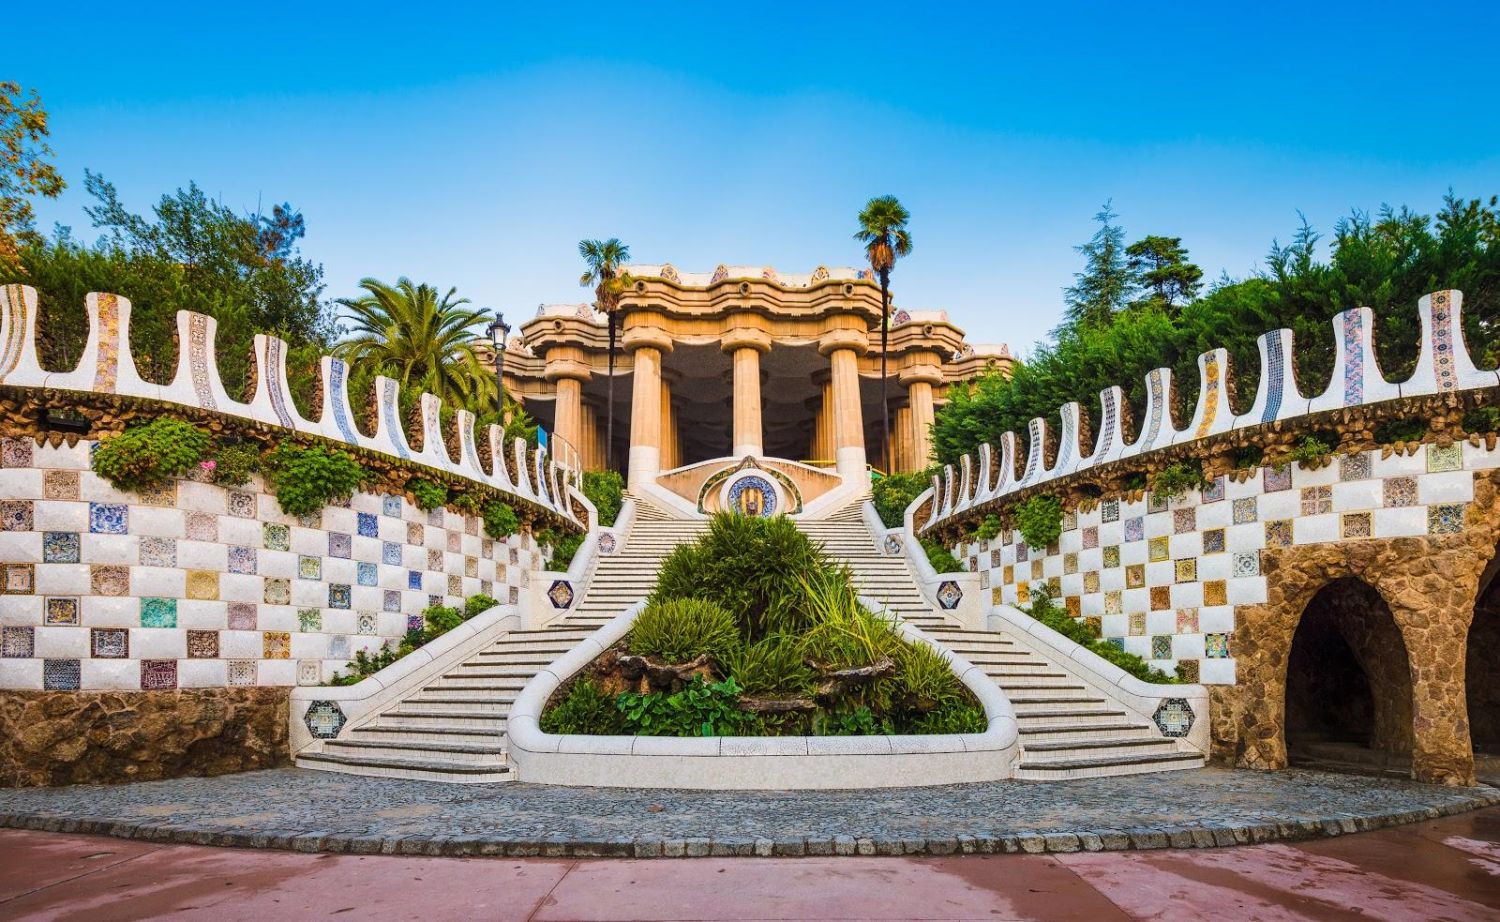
(763, 763)
(107, 367)
(1443, 366)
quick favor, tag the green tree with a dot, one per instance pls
(883, 231)
(1160, 269)
(24, 170)
(604, 261)
(1104, 286)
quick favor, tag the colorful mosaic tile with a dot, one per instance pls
(1398, 492)
(1279, 533)
(1070, 563)
(109, 579)
(158, 674)
(1216, 646)
(1174, 717)
(1022, 552)
(1073, 606)
(202, 584)
(1023, 593)
(367, 623)
(1357, 525)
(201, 526)
(1161, 646)
(340, 595)
(15, 452)
(513, 595)
(18, 642)
(309, 672)
(1137, 624)
(1187, 570)
(390, 553)
(61, 611)
(276, 645)
(241, 559)
(1135, 576)
(163, 494)
(1158, 548)
(241, 616)
(1245, 510)
(61, 675)
(1213, 541)
(435, 560)
(1445, 459)
(1109, 510)
(1008, 574)
(366, 574)
(1111, 556)
(242, 505)
(1355, 466)
(109, 518)
(391, 506)
(414, 579)
(1037, 569)
(391, 600)
(16, 514)
(109, 643)
(278, 591)
(454, 539)
(1445, 518)
(414, 533)
(435, 517)
(1245, 563)
(203, 644)
(996, 597)
(60, 547)
(1317, 500)
(515, 556)
(1184, 520)
(1070, 521)
(1135, 528)
(1214, 492)
(311, 520)
(1054, 587)
(1161, 598)
(61, 485)
(471, 567)
(1090, 581)
(324, 719)
(309, 567)
(368, 525)
(338, 644)
(1187, 620)
(310, 620)
(1274, 480)
(1095, 626)
(340, 545)
(241, 672)
(158, 552)
(1090, 537)
(1215, 592)
(277, 537)
(487, 587)
(1187, 670)
(1117, 642)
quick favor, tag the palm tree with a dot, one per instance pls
(425, 342)
(882, 229)
(604, 259)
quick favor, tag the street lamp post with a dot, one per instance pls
(499, 332)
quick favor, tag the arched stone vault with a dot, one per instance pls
(1431, 585)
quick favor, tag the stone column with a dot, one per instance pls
(843, 348)
(919, 381)
(671, 456)
(567, 370)
(646, 345)
(901, 434)
(745, 345)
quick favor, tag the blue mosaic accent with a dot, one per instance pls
(336, 374)
(241, 559)
(340, 545)
(275, 374)
(1174, 718)
(339, 595)
(414, 579)
(369, 525)
(391, 506)
(949, 595)
(768, 493)
(109, 518)
(60, 547)
(1275, 376)
(1156, 402)
(366, 574)
(1135, 529)
(61, 675)
(1354, 359)
(393, 425)
(391, 600)
(324, 719)
(159, 613)
(390, 552)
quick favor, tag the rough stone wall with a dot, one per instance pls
(1482, 675)
(52, 738)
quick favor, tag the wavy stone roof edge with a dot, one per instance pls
(107, 367)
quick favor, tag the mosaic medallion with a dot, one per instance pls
(324, 719)
(752, 495)
(949, 595)
(1173, 717)
(606, 543)
(561, 594)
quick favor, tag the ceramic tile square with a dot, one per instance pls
(201, 526)
(241, 559)
(309, 672)
(368, 525)
(1213, 541)
(435, 517)
(1156, 502)
(1397, 492)
(1317, 500)
(1245, 510)
(18, 642)
(278, 591)
(15, 452)
(241, 505)
(1135, 576)
(1356, 525)
(366, 574)
(60, 485)
(1355, 466)
(61, 675)
(1090, 581)
(471, 567)
(1279, 533)
(157, 612)
(1070, 521)
(1111, 556)
(515, 555)
(1007, 574)
(1187, 670)
(163, 494)
(455, 584)
(454, 539)
(1215, 592)
(1036, 569)
(158, 674)
(18, 578)
(202, 584)
(276, 645)
(339, 595)
(1070, 563)
(414, 533)
(16, 514)
(60, 547)
(203, 644)
(109, 518)
(1187, 570)
(414, 579)
(1136, 626)
(435, 560)
(1246, 563)
(996, 597)
(61, 611)
(241, 616)
(512, 595)
(390, 553)
(1161, 646)
(487, 551)
(340, 545)
(1161, 598)
(109, 643)
(1445, 459)
(338, 646)
(309, 567)
(158, 552)
(311, 520)
(1216, 646)
(1187, 620)
(310, 620)
(391, 600)
(487, 587)
(1274, 480)
(1135, 528)
(1022, 552)
(1445, 518)
(1095, 626)
(471, 525)
(1090, 537)
(1184, 520)
(277, 537)
(109, 579)
(367, 623)
(1109, 510)
(1214, 492)
(1158, 548)
(984, 579)
(242, 672)
(391, 506)
(1112, 604)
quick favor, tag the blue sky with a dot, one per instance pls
(474, 146)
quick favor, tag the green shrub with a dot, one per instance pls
(564, 546)
(861, 721)
(1076, 630)
(1400, 430)
(364, 665)
(988, 530)
(1308, 451)
(893, 493)
(307, 479)
(1249, 457)
(440, 619)
(585, 708)
(1484, 420)
(235, 463)
(700, 709)
(606, 490)
(1040, 520)
(1136, 480)
(925, 677)
(772, 666)
(941, 559)
(469, 503)
(1176, 479)
(478, 604)
(147, 456)
(500, 520)
(680, 630)
(426, 494)
(954, 717)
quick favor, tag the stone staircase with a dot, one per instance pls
(625, 577)
(879, 577)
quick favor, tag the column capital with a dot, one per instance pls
(856, 341)
(569, 368)
(647, 338)
(739, 338)
(925, 374)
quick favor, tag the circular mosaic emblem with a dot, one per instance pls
(751, 495)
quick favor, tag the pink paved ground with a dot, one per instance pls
(1445, 869)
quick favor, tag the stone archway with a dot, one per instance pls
(1482, 677)
(1348, 685)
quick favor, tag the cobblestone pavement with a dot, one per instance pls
(1447, 868)
(319, 811)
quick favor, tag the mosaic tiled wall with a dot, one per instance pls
(1161, 580)
(200, 586)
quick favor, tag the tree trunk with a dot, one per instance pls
(609, 408)
(885, 407)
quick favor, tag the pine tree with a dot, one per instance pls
(1104, 286)
(1160, 269)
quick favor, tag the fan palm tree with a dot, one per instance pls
(882, 229)
(604, 259)
(426, 342)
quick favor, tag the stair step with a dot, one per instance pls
(433, 769)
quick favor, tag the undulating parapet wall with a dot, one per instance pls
(992, 477)
(107, 368)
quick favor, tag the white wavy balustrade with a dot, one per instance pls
(107, 367)
(1443, 366)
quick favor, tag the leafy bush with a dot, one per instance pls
(1040, 520)
(926, 678)
(1400, 430)
(147, 456)
(500, 520)
(893, 493)
(1250, 456)
(234, 464)
(469, 502)
(955, 717)
(564, 546)
(680, 630)
(773, 665)
(1309, 451)
(478, 604)
(440, 619)
(861, 721)
(606, 490)
(364, 665)
(426, 494)
(942, 561)
(1484, 420)
(1076, 630)
(1174, 480)
(842, 633)
(700, 709)
(988, 530)
(584, 708)
(307, 479)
